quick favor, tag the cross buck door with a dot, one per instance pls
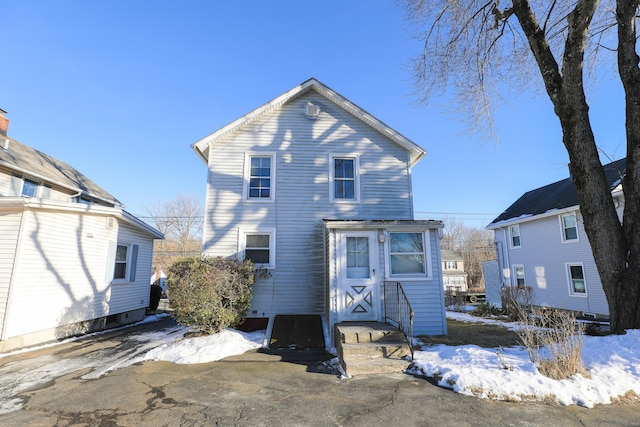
(357, 276)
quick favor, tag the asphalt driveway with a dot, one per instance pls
(82, 385)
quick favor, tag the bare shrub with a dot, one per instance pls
(516, 299)
(553, 340)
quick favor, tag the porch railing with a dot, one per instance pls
(398, 311)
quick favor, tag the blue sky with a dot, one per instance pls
(121, 89)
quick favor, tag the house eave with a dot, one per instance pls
(202, 146)
(79, 208)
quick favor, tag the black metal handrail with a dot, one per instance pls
(398, 311)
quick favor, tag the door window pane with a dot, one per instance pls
(357, 257)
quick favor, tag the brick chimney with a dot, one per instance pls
(4, 123)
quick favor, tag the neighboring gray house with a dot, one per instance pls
(318, 191)
(541, 242)
(454, 278)
(71, 259)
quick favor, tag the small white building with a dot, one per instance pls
(454, 278)
(71, 259)
(318, 191)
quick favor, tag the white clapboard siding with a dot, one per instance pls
(302, 198)
(427, 296)
(544, 257)
(132, 295)
(9, 230)
(60, 279)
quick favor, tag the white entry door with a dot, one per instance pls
(357, 276)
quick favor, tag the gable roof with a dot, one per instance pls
(450, 255)
(202, 147)
(26, 160)
(559, 195)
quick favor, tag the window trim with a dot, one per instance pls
(247, 176)
(571, 288)
(356, 177)
(511, 236)
(242, 244)
(41, 189)
(563, 228)
(515, 268)
(426, 241)
(131, 263)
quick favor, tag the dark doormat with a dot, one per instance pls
(297, 332)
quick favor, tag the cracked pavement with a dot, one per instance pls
(255, 389)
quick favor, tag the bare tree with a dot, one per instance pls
(181, 221)
(474, 244)
(481, 48)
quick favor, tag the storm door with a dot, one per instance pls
(357, 276)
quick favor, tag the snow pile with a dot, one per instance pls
(228, 342)
(613, 363)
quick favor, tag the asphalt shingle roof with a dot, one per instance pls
(559, 195)
(28, 160)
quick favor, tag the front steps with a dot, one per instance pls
(371, 348)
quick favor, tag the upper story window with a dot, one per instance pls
(577, 283)
(569, 227)
(259, 176)
(514, 230)
(258, 246)
(344, 179)
(21, 186)
(407, 254)
(450, 265)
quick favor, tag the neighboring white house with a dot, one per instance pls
(454, 278)
(71, 259)
(541, 242)
(318, 191)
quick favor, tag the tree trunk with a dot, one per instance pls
(625, 295)
(614, 248)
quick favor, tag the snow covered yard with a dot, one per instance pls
(613, 363)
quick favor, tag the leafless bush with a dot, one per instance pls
(517, 299)
(553, 340)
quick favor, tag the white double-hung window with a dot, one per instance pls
(259, 182)
(569, 225)
(345, 180)
(514, 230)
(259, 247)
(122, 262)
(576, 279)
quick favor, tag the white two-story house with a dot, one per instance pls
(317, 191)
(71, 259)
(541, 243)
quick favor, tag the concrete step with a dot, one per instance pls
(374, 350)
(369, 332)
(371, 348)
(374, 366)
